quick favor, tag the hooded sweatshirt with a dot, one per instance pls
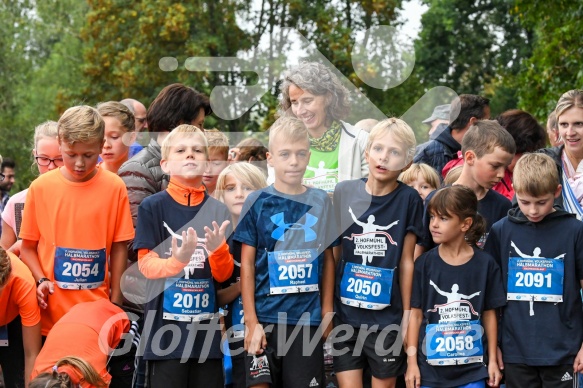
(535, 332)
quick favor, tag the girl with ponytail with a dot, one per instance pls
(452, 333)
(69, 372)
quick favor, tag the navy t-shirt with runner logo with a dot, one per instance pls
(373, 230)
(291, 233)
(542, 269)
(452, 300)
(493, 207)
(187, 300)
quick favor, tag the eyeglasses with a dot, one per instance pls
(44, 161)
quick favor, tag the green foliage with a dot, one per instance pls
(473, 47)
(555, 65)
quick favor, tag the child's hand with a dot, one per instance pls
(187, 248)
(578, 364)
(494, 373)
(215, 237)
(499, 358)
(413, 376)
(255, 340)
(43, 291)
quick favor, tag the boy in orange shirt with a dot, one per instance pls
(20, 338)
(77, 223)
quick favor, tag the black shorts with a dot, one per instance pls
(288, 363)
(12, 356)
(189, 374)
(358, 352)
(521, 375)
(238, 374)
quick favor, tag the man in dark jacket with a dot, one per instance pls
(465, 111)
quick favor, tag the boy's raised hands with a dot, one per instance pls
(187, 248)
(215, 237)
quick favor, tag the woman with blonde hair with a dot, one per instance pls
(569, 155)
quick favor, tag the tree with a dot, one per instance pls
(473, 47)
(555, 64)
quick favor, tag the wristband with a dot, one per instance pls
(42, 280)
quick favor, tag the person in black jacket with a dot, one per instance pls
(176, 104)
(465, 111)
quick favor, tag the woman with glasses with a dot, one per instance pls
(47, 156)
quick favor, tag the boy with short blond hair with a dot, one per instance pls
(287, 266)
(380, 219)
(218, 149)
(77, 222)
(539, 248)
(488, 149)
(182, 280)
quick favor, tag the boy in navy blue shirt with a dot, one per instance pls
(488, 149)
(287, 267)
(540, 250)
(183, 345)
(380, 220)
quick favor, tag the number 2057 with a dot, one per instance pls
(299, 271)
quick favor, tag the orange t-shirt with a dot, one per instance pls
(18, 297)
(78, 334)
(75, 224)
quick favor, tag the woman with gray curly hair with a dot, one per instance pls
(315, 95)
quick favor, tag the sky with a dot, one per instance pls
(411, 16)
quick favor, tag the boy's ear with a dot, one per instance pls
(164, 165)
(558, 191)
(268, 158)
(470, 157)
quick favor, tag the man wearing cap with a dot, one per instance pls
(437, 122)
(465, 110)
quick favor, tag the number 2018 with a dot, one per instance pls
(529, 279)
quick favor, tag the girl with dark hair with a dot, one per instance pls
(452, 332)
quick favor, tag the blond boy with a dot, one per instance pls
(380, 220)
(539, 248)
(287, 266)
(181, 275)
(77, 223)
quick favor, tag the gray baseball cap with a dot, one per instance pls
(441, 112)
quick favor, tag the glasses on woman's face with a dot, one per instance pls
(44, 161)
